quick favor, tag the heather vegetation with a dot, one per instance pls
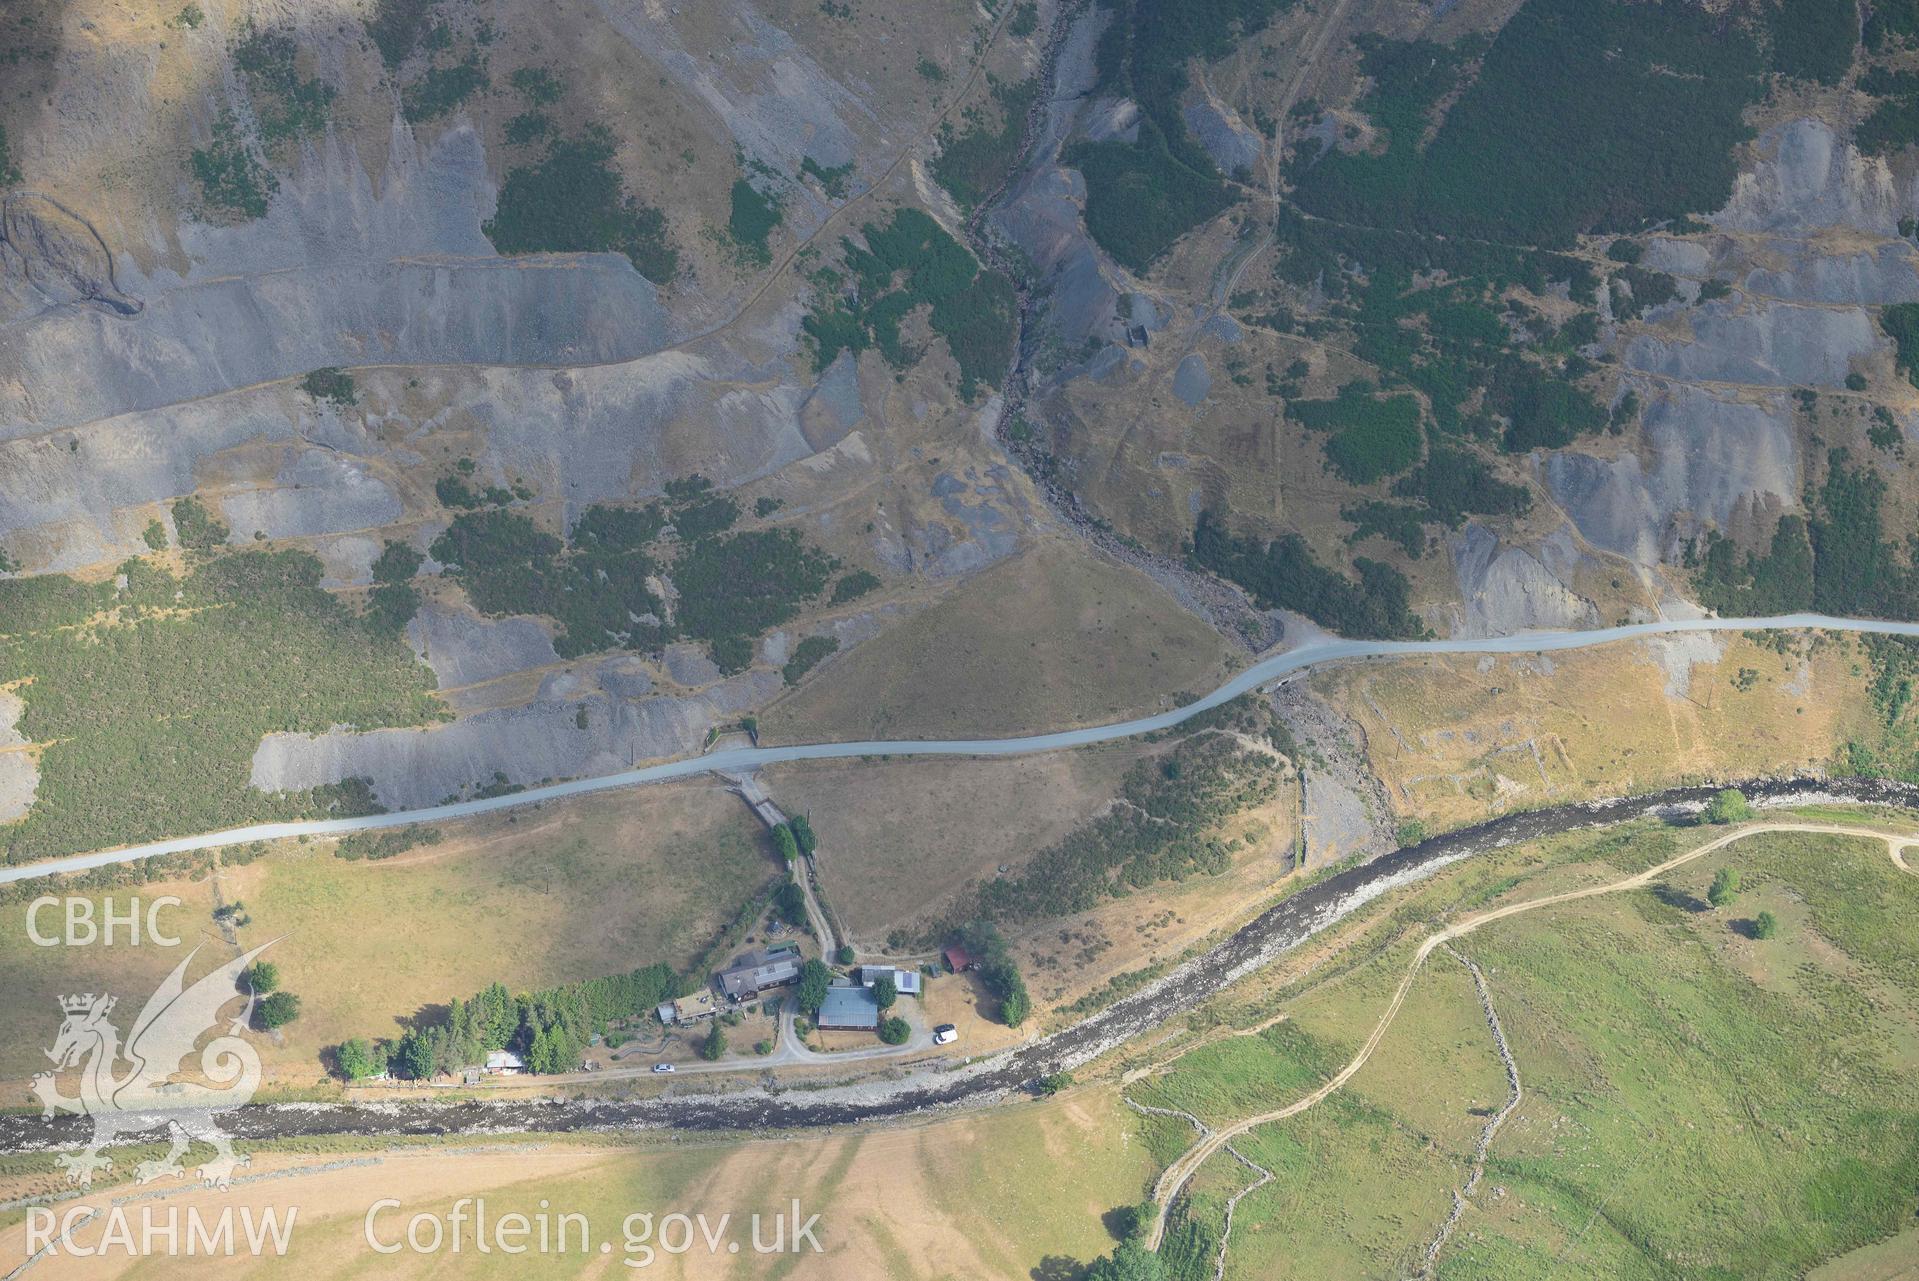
(1168, 825)
(1836, 560)
(1417, 240)
(233, 182)
(1141, 196)
(286, 105)
(537, 85)
(1814, 39)
(332, 384)
(572, 201)
(1901, 323)
(832, 180)
(975, 158)
(1891, 24)
(443, 87)
(1667, 102)
(375, 846)
(398, 26)
(152, 697)
(736, 586)
(1370, 436)
(732, 587)
(807, 655)
(907, 263)
(1399, 523)
(754, 215)
(1454, 483)
(853, 586)
(1284, 574)
(196, 527)
(393, 600)
(595, 589)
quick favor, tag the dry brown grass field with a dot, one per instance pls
(533, 898)
(37, 977)
(1050, 639)
(993, 1195)
(597, 886)
(1459, 739)
(898, 836)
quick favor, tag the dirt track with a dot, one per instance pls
(1175, 1177)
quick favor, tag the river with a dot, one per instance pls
(1280, 928)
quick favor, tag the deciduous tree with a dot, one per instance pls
(815, 978)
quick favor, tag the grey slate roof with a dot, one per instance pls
(849, 1007)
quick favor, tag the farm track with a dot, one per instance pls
(1176, 1176)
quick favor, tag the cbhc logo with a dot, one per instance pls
(83, 930)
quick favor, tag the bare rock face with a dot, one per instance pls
(1810, 178)
(1507, 589)
(542, 740)
(53, 255)
(777, 102)
(464, 650)
(1809, 240)
(1769, 344)
(1042, 212)
(1234, 145)
(1707, 460)
(316, 492)
(19, 773)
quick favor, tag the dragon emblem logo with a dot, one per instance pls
(142, 1096)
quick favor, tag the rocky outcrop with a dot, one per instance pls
(315, 492)
(50, 255)
(525, 745)
(1761, 343)
(19, 772)
(1809, 178)
(464, 650)
(1504, 588)
(1234, 145)
(1707, 460)
(1809, 240)
(1041, 213)
(777, 102)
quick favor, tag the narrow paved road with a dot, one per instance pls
(1180, 1172)
(751, 758)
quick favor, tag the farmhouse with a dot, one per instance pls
(505, 1062)
(849, 1009)
(689, 1009)
(905, 982)
(755, 972)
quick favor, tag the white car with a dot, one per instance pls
(662, 1067)
(945, 1034)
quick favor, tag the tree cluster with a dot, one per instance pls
(549, 1029)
